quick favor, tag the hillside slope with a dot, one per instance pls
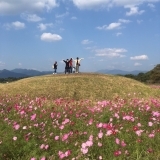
(79, 86)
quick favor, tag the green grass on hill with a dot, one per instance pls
(79, 86)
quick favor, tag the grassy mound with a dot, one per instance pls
(78, 87)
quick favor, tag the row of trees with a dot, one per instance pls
(152, 76)
(9, 79)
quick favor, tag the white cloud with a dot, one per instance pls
(139, 21)
(86, 41)
(118, 34)
(137, 64)
(31, 17)
(89, 4)
(110, 26)
(152, 6)
(111, 52)
(114, 25)
(9, 7)
(134, 11)
(92, 4)
(15, 25)
(49, 37)
(2, 63)
(18, 25)
(43, 26)
(74, 18)
(141, 57)
(62, 15)
(124, 21)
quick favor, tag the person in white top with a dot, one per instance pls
(77, 63)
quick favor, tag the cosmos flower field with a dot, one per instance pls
(46, 129)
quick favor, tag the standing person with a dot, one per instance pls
(77, 63)
(67, 69)
(55, 67)
(70, 65)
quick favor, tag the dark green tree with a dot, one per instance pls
(155, 74)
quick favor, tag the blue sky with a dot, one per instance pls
(108, 34)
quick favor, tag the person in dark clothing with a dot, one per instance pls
(71, 65)
(55, 67)
(67, 68)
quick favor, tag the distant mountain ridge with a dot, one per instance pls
(31, 72)
(6, 73)
(121, 72)
(19, 73)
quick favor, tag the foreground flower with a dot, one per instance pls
(14, 138)
(16, 126)
(33, 117)
(117, 153)
(64, 154)
(150, 124)
(139, 132)
(84, 150)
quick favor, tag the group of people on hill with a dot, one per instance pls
(71, 65)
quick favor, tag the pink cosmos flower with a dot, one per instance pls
(139, 132)
(61, 155)
(46, 146)
(61, 127)
(151, 135)
(56, 138)
(84, 145)
(22, 112)
(52, 115)
(150, 124)
(99, 125)
(84, 150)
(100, 158)
(123, 144)
(24, 127)
(66, 121)
(33, 117)
(14, 138)
(128, 118)
(100, 134)
(65, 137)
(99, 144)
(42, 146)
(150, 150)
(43, 158)
(139, 124)
(116, 115)
(117, 153)
(117, 141)
(135, 128)
(16, 126)
(89, 143)
(67, 153)
(90, 122)
(33, 158)
(156, 114)
(91, 137)
(109, 132)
